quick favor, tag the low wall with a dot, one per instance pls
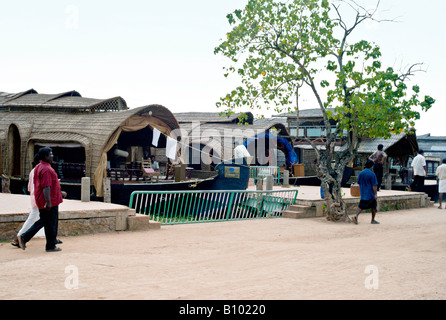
(412, 200)
(391, 203)
(75, 217)
(72, 222)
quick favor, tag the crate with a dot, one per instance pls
(299, 170)
(354, 190)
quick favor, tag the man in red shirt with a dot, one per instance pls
(48, 197)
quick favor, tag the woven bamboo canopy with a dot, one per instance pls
(66, 102)
(69, 118)
(218, 132)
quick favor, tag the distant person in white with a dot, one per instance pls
(155, 164)
(419, 172)
(441, 174)
(241, 152)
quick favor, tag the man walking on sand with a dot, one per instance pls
(48, 197)
(368, 188)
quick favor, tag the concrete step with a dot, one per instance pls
(298, 207)
(140, 222)
(297, 214)
(429, 202)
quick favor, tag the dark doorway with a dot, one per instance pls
(14, 150)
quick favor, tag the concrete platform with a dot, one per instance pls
(75, 217)
(310, 204)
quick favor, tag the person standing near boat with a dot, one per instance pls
(155, 164)
(48, 197)
(419, 172)
(441, 174)
(378, 158)
(240, 152)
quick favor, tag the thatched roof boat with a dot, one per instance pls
(212, 134)
(88, 127)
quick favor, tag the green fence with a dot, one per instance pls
(175, 207)
(261, 172)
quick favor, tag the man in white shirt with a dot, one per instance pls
(419, 172)
(240, 152)
(441, 174)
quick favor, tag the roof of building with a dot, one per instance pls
(433, 146)
(212, 117)
(69, 102)
(397, 146)
(304, 113)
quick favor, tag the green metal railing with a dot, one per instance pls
(175, 207)
(260, 172)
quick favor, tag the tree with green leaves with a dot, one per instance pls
(279, 47)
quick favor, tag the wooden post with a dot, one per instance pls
(5, 184)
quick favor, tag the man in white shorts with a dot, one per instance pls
(441, 174)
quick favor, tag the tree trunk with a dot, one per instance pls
(331, 181)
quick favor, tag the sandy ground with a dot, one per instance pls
(402, 258)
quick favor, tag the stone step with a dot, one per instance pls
(296, 214)
(429, 202)
(140, 222)
(298, 207)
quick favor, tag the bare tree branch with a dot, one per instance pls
(410, 72)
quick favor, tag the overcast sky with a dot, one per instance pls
(161, 52)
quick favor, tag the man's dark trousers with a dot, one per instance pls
(417, 184)
(49, 221)
(378, 170)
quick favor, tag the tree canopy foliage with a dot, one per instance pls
(277, 47)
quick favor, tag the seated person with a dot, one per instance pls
(155, 164)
